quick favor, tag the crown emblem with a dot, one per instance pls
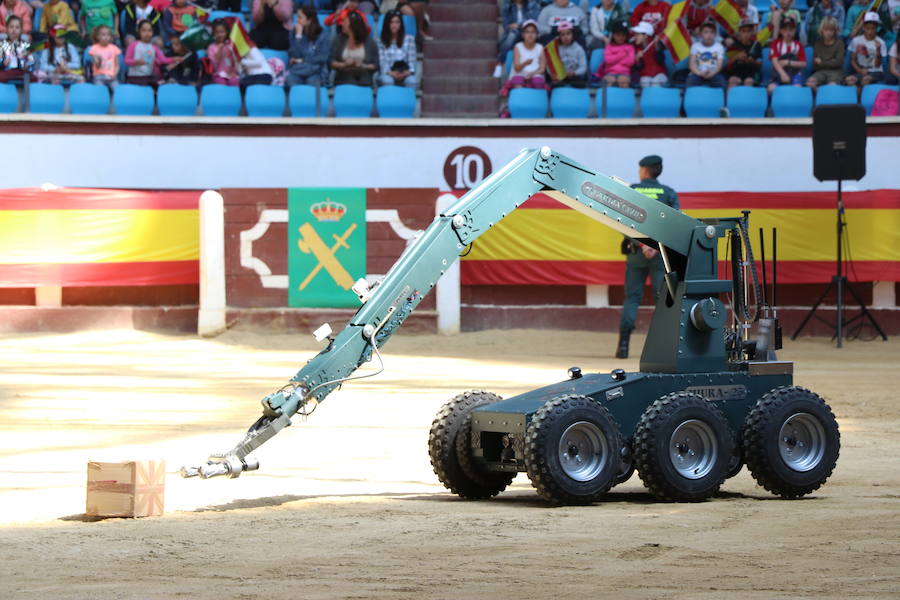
(328, 210)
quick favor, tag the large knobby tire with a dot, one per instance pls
(572, 450)
(450, 452)
(683, 447)
(791, 441)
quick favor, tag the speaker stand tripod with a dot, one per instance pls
(839, 282)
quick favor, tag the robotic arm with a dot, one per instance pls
(387, 304)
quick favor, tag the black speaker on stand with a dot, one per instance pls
(839, 153)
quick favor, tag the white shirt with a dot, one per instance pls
(708, 57)
(524, 54)
(866, 51)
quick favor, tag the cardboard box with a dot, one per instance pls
(126, 489)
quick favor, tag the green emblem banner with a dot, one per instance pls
(326, 245)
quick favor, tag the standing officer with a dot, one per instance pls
(642, 260)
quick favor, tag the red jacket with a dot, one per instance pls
(336, 18)
(655, 15)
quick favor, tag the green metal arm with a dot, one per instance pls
(388, 304)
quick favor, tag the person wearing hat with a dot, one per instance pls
(572, 56)
(642, 261)
(744, 55)
(777, 12)
(866, 53)
(787, 55)
(651, 63)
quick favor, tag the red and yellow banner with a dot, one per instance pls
(555, 67)
(546, 243)
(728, 14)
(677, 40)
(73, 237)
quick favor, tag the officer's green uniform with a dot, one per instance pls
(637, 267)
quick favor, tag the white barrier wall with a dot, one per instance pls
(203, 162)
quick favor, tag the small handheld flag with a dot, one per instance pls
(677, 40)
(728, 14)
(555, 66)
(240, 39)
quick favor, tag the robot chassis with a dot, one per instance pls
(706, 400)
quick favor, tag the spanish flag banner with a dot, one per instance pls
(765, 34)
(554, 63)
(533, 245)
(676, 12)
(677, 40)
(74, 237)
(728, 14)
(240, 38)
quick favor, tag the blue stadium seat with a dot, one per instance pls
(869, 93)
(322, 17)
(596, 61)
(570, 103)
(661, 103)
(620, 103)
(527, 103)
(46, 98)
(836, 94)
(174, 100)
(396, 102)
(302, 101)
(88, 99)
(219, 100)
(264, 101)
(131, 99)
(9, 98)
(765, 72)
(215, 15)
(747, 102)
(791, 101)
(809, 62)
(703, 102)
(352, 100)
(272, 53)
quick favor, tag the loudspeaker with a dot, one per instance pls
(839, 142)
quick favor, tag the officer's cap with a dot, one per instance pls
(651, 161)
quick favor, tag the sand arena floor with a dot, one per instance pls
(346, 504)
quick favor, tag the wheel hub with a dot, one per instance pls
(583, 451)
(693, 449)
(801, 442)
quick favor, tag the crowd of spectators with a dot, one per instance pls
(151, 42)
(851, 44)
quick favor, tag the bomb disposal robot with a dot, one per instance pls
(705, 401)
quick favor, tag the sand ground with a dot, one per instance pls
(346, 505)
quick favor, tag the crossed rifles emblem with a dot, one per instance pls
(310, 242)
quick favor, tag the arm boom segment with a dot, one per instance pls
(603, 198)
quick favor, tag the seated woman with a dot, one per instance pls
(271, 23)
(308, 55)
(354, 54)
(396, 53)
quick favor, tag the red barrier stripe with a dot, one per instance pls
(100, 199)
(561, 272)
(100, 274)
(884, 199)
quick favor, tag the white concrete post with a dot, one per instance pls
(597, 296)
(211, 316)
(883, 295)
(448, 297)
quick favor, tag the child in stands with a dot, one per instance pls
(105, 57)
(178, 17)
(572, 56)
(828, 55)
(95, 13)
(14, 54)
(223, 60)
(744, 56)
(529, 63)
(143, 58)
(618, 59)
(787, 55)
(184, 68)
(648, 54)
(866, 53)
(707, 58)
(61, 61)
(134, 12)
(255, 69)
(57, 12)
